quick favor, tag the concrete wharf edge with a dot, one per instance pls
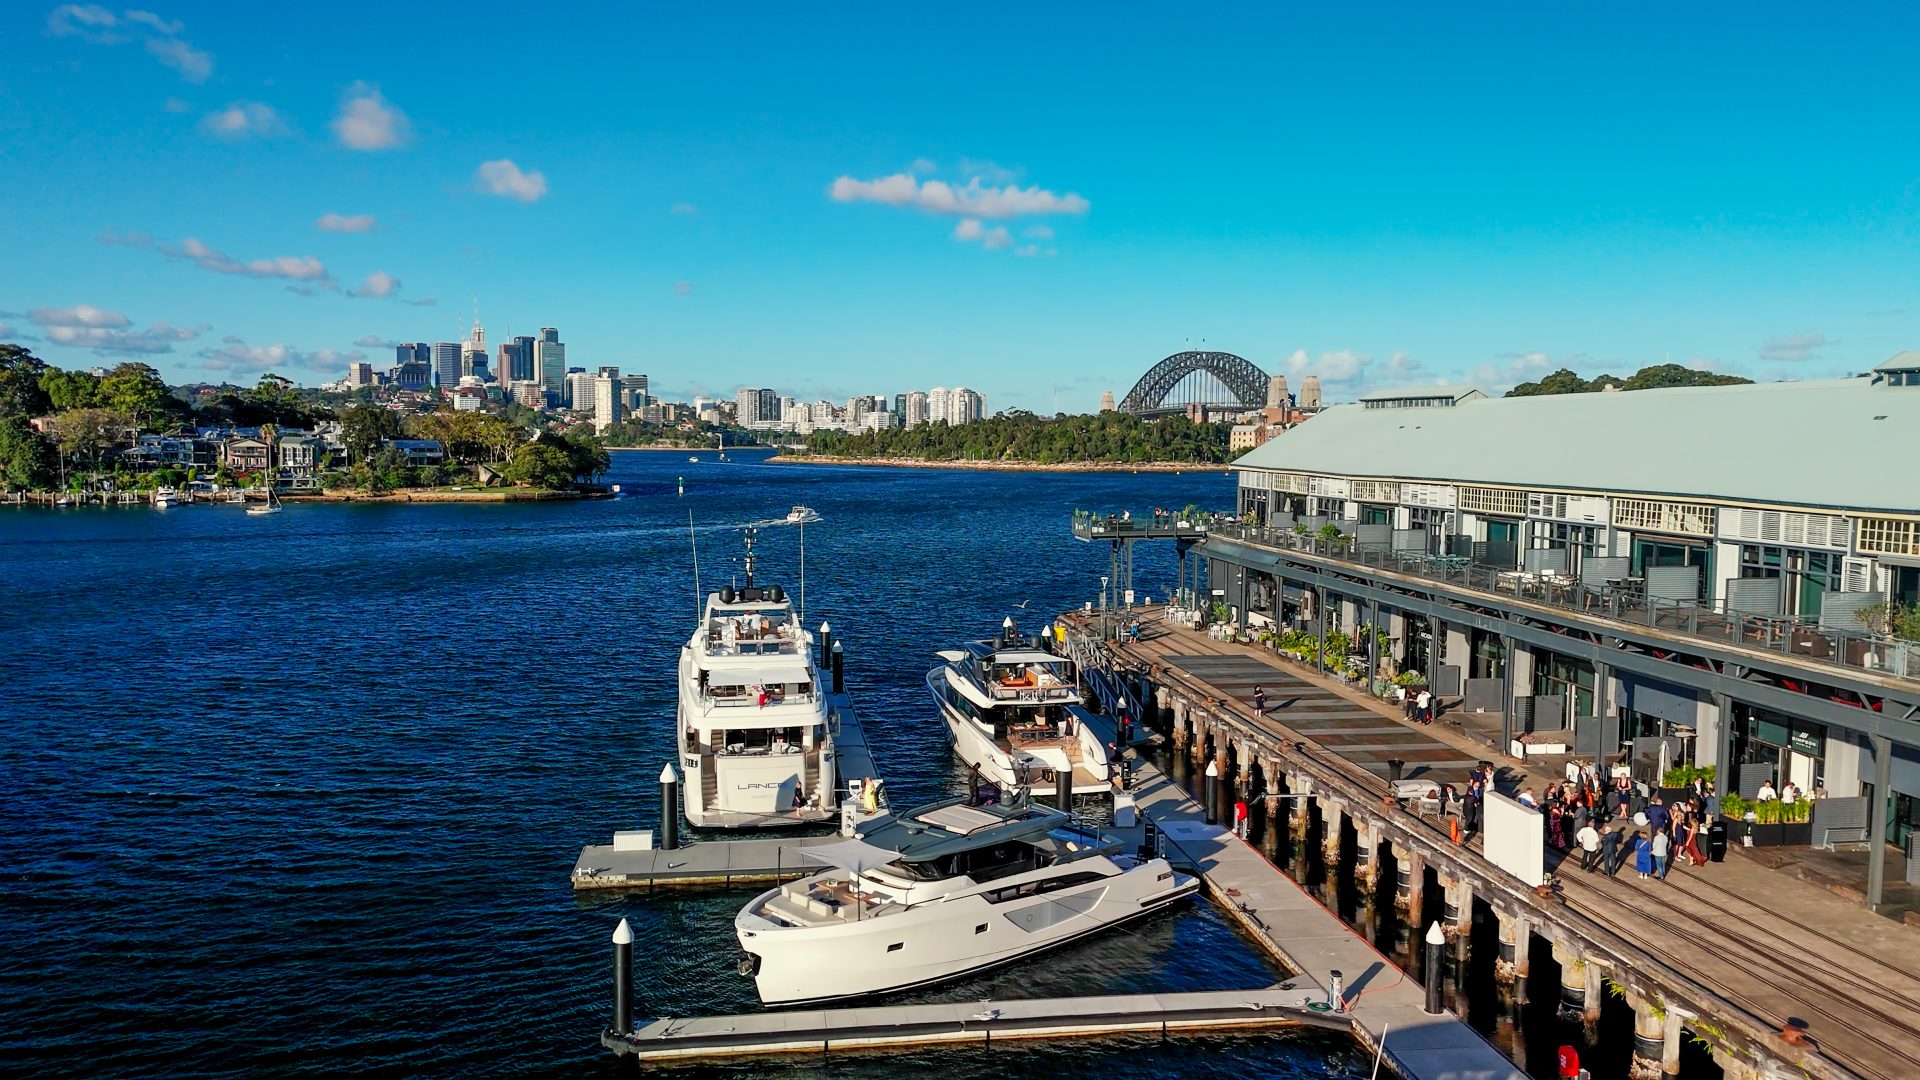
(822, 1031)
(743, 861)
(1381, 999)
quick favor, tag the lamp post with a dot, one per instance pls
(1104, 621)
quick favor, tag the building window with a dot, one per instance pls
(1567, 677)
(1511, 502)
(1376, 515)
(1648, 554)
(1889, 536)
(1759, 561)
(1663, 516)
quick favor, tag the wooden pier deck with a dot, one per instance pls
(1380, 998)
(818, 1031)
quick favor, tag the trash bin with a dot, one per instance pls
(1717, 841)
(1394, 766)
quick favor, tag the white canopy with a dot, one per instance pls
(853, 856)
(758, 674)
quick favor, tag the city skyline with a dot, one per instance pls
(1374, 201)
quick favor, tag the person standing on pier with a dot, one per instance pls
(1589, 838)
(1259, 701)
(1642, 855)
(1610, 852)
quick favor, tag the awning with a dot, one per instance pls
(758, 675)
(1025, 656)
(853, 856)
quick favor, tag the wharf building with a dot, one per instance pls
(1697, 575)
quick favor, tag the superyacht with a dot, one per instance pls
(1013, 712)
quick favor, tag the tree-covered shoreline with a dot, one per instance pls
(1015, 436)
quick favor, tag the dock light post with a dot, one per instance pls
(826, 643)
(1335, 1000)
(669, 809)
(1213, 790)
(1436, 940)
(839, 669)
(1103, 608)
(623, 979)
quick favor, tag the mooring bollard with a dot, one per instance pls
(1063, 789)
(1150, 838)
(826, 642)
(1213, 791)
(839, 669)
(1334, 987)
(669, 809)
(1436, 940)
(623, 979)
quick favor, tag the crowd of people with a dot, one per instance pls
(1608, 822)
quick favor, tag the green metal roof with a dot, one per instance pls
(1836, 443)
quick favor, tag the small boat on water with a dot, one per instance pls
(802, 515)
(942, 891)
(1013, 711)
(164, 497)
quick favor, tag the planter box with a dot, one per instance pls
(1797, 834)
(1771, 835)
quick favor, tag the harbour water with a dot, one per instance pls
(300, 793)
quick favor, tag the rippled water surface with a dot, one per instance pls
(301, 793)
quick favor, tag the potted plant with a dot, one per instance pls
(1796, 823)
(1766, 829)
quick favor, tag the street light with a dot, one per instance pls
(1105, 622)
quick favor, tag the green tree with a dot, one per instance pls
(587, 455)
(134, 390)
(1654, 377)
(23, 456)
(543, 465)
(364, 427)
(1564, 381)
(87, 434)
(70, 389)
(20, 392)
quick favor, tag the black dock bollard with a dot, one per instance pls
(669, 809)
(1213, 791)
(1150, 838)
(826, 642)
(623, 979)
(1436, 939)
(839, 669)
(1063, 789)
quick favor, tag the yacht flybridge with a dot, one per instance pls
(941, 891)
(1013, 712)
(757, 727)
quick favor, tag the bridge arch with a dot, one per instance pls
(1240, 376)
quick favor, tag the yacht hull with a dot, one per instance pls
(997, 766)
(942, 940)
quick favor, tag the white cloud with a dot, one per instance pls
(987, 171)
(1510, 369)
(244, 119)
(1349, 372)
(237, 355)
(378, 284)
(996, 239)
(504, 178)
(84, 326)
(160, 37)
(921, 164)
(683, 288)
(685, 208)
(293, 267)
(975, 199)
(368, 122)
(1028, 251)
(968, 229)
(345, 223)
(1038, 232)
(374, 341)
(1793, 348)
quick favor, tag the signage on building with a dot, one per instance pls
(1804, 742)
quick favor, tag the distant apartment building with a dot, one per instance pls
(359, 375)
(550, 364)
(606, 400)
(633, 393)
(577, 391)
(914, 408)
(529, 393)
(418, 451)
(756, 406)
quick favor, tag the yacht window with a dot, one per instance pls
(981, 929)
(896, 946)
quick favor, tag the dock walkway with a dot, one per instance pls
(731, 861)
(817, 1031)
(1380, 998)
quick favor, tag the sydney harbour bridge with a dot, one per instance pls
(1218, 380)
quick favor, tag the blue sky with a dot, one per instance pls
(1036, 202)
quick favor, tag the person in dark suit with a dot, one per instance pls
(1610, 851)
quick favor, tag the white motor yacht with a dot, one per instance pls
(942, 891)
(757, 727)
(164, 497)
(802, 515)
(1013, 712)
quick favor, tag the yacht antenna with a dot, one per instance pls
(803, 573)
(749, 561)
(694, 539)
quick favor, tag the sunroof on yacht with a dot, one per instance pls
(963, 820)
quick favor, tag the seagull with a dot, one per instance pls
(1023, 603)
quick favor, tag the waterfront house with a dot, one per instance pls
(298, 453)
(244, 453)
(419, 451)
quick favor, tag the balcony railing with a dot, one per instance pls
(1622, 601)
